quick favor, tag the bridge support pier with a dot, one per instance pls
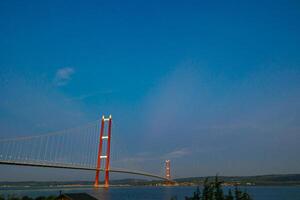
(100, 151)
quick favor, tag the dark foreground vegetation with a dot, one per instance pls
(214, 191)
(28, 198)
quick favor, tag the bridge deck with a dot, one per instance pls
(77, 167)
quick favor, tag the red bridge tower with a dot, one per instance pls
(168, 170)
(100, 151)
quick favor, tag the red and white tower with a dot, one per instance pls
(168, 170)
(106, 137)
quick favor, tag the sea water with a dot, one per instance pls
(155, 193)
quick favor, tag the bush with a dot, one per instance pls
(214, 191)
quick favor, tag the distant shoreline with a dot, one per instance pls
(261, 180)
(116, 186)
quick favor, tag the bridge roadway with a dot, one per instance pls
(77, 167)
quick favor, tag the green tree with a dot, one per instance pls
(237, 193)
(174, 198)
(246, 196)
(12, 197)
(206, 190)
(229, 196)
(26, 198)
(197, 195)
(218, 191)
(214, 191)
(51, 198)
(40, 198)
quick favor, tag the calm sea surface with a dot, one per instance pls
(158, 193)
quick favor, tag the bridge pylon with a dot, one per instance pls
(168, 170)
(103, 137)
(168, 179)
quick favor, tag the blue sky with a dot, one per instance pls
(213, 85)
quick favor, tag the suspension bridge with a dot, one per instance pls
(83, 148)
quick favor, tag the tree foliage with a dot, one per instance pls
(214, 191)
(11, 197)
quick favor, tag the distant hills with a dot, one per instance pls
(279, 179)
(276, 179)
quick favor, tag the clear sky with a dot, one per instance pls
(214, 85)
